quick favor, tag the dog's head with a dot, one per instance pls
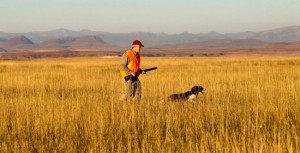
(197, 89)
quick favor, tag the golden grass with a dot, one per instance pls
(71, 105)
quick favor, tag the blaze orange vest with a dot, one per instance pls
(133, 64)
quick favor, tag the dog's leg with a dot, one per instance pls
(192, 97)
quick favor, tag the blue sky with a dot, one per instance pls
(169, 16)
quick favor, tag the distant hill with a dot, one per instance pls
(64, 38)
(56, 43)
(289, 45)
(6, 35)
(85, 42)
(2, 40)
(285, 34)
(152, 40)
(18, 43)
(2, 50)
(221, 44)
(93, 42)
(40, 37)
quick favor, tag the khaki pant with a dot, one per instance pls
(132, 90)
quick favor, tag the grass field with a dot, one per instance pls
(71, 105)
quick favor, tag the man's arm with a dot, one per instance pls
(123, 63)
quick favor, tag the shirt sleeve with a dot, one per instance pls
(123, 63)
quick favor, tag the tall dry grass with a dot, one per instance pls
(71, 105)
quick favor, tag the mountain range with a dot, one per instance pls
(88, 39)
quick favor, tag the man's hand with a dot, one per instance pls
(143, 72)
(132, 73)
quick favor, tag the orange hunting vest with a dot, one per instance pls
(133, 64)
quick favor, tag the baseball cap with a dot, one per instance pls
(137, 42)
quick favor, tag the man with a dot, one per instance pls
(130, 71)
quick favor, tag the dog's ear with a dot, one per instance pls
(200, 88)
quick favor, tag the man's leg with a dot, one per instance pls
(128, 91)
(137, 90)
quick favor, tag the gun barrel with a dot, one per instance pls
(150, 69)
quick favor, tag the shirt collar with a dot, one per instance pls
(134, 52)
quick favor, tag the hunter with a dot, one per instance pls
(130, 71)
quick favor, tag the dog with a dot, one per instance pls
(189, 95)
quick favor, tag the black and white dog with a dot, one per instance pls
(189, 95)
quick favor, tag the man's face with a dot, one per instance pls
(137, 48)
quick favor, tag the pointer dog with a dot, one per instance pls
(188, 95)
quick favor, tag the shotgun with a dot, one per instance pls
(138, 73)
